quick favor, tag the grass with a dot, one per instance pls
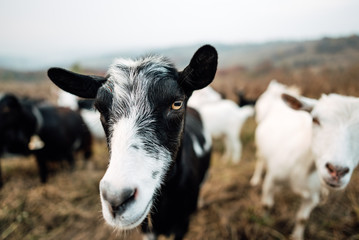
(68, 206)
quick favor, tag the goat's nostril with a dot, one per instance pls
(117, 200)
(343, 171)
(336, 171)
(330, 167)
(127, 196)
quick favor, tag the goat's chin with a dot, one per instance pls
(333, 185)
(130, 219)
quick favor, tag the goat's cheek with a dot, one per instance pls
(346, 179)
(320, 150)
(172, 135)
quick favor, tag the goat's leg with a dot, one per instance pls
(237, 150)
(268, 191)
(306, 207)
(258, 171)
(228, 149)
(41, 163)
(181, 229)
(1, 182)
(147, 232)
(71, 161)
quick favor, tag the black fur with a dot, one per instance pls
(178, 199)
(86, 104)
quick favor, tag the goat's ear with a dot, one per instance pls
(296, 103)
(201, 70)
(85, 86)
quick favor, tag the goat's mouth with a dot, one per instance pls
(138, 220)
(129, 219)
(337, 185)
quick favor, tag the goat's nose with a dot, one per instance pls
(117, 200)
(336, 172)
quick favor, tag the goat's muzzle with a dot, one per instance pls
(336, 173)
(117, 200)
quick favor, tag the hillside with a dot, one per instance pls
(330, 52)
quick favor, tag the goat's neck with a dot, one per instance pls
(35, 117)
(306, 168)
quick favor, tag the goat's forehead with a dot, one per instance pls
(139, 86)
(149, 67)
(338, 107)
(139, 79)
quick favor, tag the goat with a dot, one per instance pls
(159, 152)
(48, 132)
(309, 149)
(222, 118)
(272, 93)
(267, 101)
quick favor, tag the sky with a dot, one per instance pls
(55, 29)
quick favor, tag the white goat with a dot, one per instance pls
(272, 93)
(222, 118)
(306, 148)
(265, 103)
(66, 99)
(204, 96)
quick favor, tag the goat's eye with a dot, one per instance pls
(316, 121)
(177, 105)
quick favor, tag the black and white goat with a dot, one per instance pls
(159, 153)
(35, 127)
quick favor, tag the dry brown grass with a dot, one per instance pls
(312, 81)
(68, 206)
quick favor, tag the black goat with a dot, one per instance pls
(159, 152)
(60, 131)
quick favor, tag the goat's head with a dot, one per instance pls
(335, 135)
(10, 109)
(142, 105)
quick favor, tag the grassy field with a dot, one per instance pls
(68, 206)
